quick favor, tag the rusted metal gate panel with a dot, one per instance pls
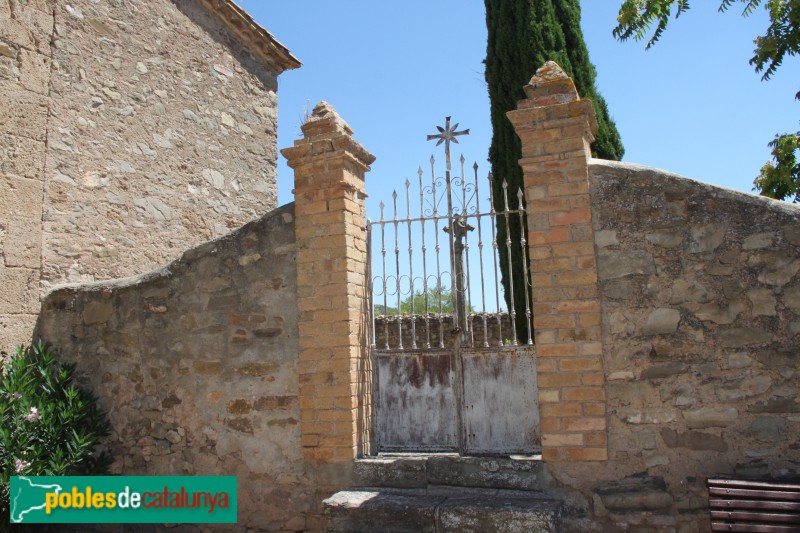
(500, 412)
(417, 402)
(478, 403)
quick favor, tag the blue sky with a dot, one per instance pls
(692, 104)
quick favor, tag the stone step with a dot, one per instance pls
(422, 471)
(447, 510)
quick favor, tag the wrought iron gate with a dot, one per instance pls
(451, 374)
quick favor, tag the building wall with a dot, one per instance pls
(26, 29)
(162, 135)
(196, 365)
(129, 132)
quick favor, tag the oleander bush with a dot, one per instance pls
(48, 425)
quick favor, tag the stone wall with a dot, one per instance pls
(196, 364)
(701, 317)
(129, 132)
(26, 28)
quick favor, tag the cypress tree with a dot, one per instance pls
(607, 144)
(522, 36)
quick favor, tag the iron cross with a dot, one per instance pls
(446, 135)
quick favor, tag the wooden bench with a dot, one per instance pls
(754, 506)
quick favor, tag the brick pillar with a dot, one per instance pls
(335, 383)
(556, 128)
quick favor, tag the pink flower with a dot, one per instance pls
(21, 465)
(33, 415)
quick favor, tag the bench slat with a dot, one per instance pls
(768, 518)
(756, 505)
(752, 484)
(771, 495)
(750, 528)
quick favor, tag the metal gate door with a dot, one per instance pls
(451, 374)
(426, 403)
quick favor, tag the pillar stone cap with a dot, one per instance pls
(325, 119)
(549, 86)
(326, 134)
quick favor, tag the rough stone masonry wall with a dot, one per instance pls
(162, 135)
(25, 31)
(196, 364)
(700, 295)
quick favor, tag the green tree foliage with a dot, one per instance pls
(522, 36)
(779, 178)
(434, 293)
(48, 426)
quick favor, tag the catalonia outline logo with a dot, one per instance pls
(123, 499)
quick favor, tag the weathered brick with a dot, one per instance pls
(551, 454)
(593, 379)
(549, 205)
(551, 265)
(588, 262)
(580, 277)
(568, 189)
(580, 364)
(583, 393)
(544, 337)
(595, 438)
(591, 348)
(589, 320)
(549, 395)
(554, 321)
(585, 454)
(594, 408)
(578, 216)
(579, 334)
(550, 381)
(539, 252)
(550, 425)
(549, 236)
(573, 249)
(547, 365)
(556, 350)
(583, 424)
(562, 409)
(562, 439)
(578, 306)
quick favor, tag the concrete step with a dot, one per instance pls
(443, 510)
(422, 471)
